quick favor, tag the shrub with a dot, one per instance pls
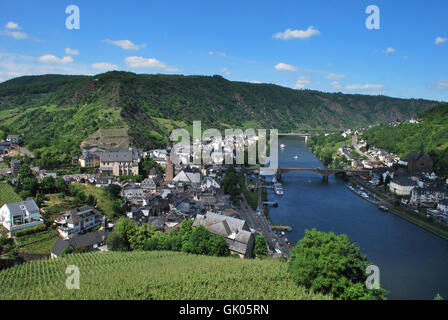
(32, 230)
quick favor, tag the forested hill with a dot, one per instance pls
(432, 131)
(57, 112)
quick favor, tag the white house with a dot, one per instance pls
(78, 221)
(402, 186)
(13, 138)
(20, 215)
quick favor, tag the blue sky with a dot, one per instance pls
(327, 47)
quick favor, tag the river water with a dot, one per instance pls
(413, 262)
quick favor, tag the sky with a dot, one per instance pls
(319, 45)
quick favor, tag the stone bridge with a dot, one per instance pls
(325, 172)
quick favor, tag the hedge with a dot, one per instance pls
(32, 230)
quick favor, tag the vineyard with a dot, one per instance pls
(152, 275)
(7, 194)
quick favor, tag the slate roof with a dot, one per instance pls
(121, 156)
(236, 231)
(15, 208)
(86, 240)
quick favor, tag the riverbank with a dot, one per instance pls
(404, 213)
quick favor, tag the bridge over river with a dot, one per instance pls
(325, 172)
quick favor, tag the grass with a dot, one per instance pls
(152, 275)
(103, 200)
(41, 243)
(7, 194)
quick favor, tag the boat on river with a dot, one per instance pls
(278, 189)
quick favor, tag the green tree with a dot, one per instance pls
(116, 243)
(91, 201)
(140, 236)
(330, 264)
(113, 191)
(48, 185)
(260, 248)
(117, 207)
(126, 229)
(61, 185)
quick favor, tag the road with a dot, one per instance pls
(260, 223)
(355, 146)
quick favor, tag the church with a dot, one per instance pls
(420, 162)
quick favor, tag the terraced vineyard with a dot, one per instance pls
(7, 194)
(152, 275)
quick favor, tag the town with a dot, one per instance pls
(410, 182)
(147, 188)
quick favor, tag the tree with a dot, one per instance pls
(117, 207)
(91, 201)
(141, 234)
(61, 185)
(260, 248)
(330, 264)
(115, 242)
(438, 297)
(125, 228)
(48, 185)
(113, 191)
(39, 199)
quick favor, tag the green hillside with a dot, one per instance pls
(407, 138)
(152, 275)
(56, 113)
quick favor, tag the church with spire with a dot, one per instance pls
(420, 161)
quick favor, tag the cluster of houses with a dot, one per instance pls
(417, 185)
(162, 200)
(116, 161)
(412, 180)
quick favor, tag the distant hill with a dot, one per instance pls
(57, 112)
(407, 138)
(153, 276)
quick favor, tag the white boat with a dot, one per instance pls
(278, 189)
(296, 157)
(282, 146)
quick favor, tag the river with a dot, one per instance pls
(413, 262)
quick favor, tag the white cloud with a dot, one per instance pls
(15, 65)
(364, 87)
(104, 66)
(334, 76)
(285, 67)
(300, 34)
(302, 82)
(148, 63)
(12, 25)
(336, 85)
(225, 71)
(389, 50)
(71, 52)
(442, 85)
(125, 44)
(215, 53)
(255, 81)
(15, 34)
(49, 58)
(440, 40)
